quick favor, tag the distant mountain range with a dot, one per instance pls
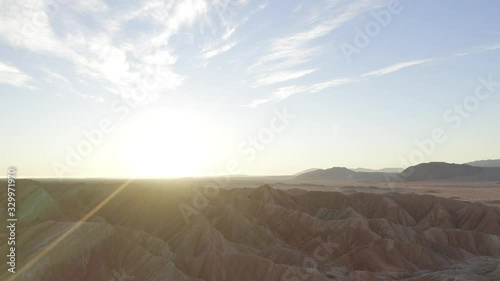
(306, 171)
(342, 173)
(485, 163)
(439, 171)
(384, 170)
(487, 170)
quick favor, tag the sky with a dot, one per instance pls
(202, 88)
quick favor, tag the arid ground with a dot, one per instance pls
(269, 228)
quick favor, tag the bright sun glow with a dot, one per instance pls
(168, 144)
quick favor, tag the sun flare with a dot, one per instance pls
(167, 144)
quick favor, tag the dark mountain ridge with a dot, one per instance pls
(421, 172)
(485, 163)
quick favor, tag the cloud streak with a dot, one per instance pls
(396, 67)
(118, 64)
(288, 91)
(297, 49)
(478, 50)
(13, 76)
(281, 76)
(229, 14)
(213, 52)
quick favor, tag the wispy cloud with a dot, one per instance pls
(491, 47)
(231, 15)
(297, 8)
(118, 63)
(288, 91)
(477, 50)
(406, 64)
(14, 76)
(55, 78)
(396, 67)
(298, 48)
(94, 6)
(283, 93)
(258, 102)
(118, 60)
(280, 76)
(63, 83)
(212, 52)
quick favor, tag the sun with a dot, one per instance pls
(167, 144)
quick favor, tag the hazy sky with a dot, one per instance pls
(178, 88)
